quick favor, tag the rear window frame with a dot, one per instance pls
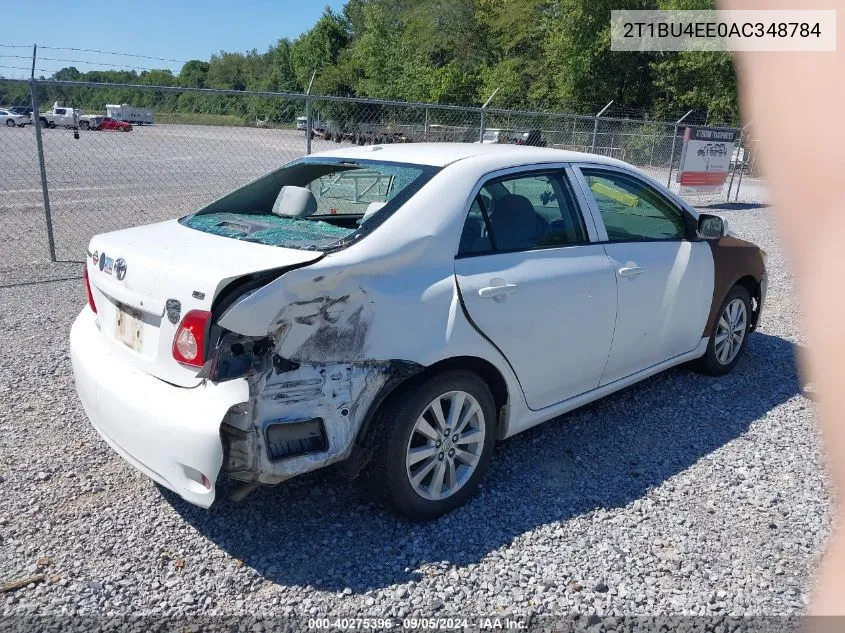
(427, 172)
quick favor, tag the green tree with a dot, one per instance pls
(193, 74)
(319, 47)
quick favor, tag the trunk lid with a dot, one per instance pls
(137, 274)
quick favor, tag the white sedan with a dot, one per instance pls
(10, 119)
(398, 309)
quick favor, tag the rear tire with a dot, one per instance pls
(84, 125)
(730, 335)
(10, 123)
(426, 464)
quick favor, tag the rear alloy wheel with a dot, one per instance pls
(445, 445)
(436, 442)
(10, 123)
(730, 334)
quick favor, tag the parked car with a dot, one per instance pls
(63, 116)
(108, 123)
(495, 135)
(531, 137)
(24, 110)
(276, 331)
(11, 119)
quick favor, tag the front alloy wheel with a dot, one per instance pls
(730, 334)
(730, 331)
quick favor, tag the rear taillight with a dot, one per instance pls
(189, 342)
(91, 303)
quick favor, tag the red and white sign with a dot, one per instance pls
(706, 159)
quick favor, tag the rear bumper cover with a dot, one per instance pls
(169, 433)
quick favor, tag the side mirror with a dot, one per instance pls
(711, 227)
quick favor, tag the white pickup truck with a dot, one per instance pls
(61, 116)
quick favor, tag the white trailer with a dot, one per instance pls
(130, 114)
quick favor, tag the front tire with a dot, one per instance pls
(730, 334)
(436, 444)
(10, 123)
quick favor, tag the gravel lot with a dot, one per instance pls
(682, 495)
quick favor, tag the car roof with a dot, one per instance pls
(443, 154)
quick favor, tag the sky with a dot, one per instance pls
(176, 30)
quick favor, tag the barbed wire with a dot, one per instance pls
(90, 50)
(27, 68)
(81, 61)
(84, 61)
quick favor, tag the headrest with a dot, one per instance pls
(514, 221)
(295, 202)
(371, 209)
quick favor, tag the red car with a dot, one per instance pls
(108, 123)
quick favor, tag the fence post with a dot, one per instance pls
(36, 121)
(425, 130)
(596, 125)
(736, 163)
(672, 152)
(309, 125)
(483, 108)
(738, 185)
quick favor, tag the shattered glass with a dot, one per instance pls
(270, 229)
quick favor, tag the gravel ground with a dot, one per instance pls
(682, 495)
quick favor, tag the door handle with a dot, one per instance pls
(631, 271)
(497, 291)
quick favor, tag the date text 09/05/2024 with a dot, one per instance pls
(489, 623)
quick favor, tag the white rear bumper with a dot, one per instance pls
(169, 433)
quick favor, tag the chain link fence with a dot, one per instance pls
(99, 175)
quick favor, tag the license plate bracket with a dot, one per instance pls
(129, 326)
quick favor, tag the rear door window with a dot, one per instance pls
(522, 212)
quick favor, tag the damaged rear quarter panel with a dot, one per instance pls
(347, 324)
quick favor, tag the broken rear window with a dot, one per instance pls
(313, 203)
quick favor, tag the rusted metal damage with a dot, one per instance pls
(307, 374)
